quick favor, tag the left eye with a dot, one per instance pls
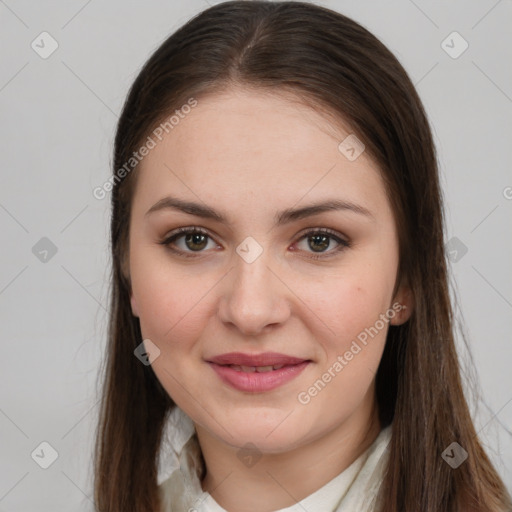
(196, 240)
(319, 242)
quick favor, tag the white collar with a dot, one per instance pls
(178, 429)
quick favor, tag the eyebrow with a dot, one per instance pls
(281, 218)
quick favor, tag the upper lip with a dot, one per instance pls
(264, 359)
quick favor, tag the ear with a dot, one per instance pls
(403, 305)
(133, 302)
(125, 272)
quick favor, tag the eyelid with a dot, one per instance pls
(323, 229)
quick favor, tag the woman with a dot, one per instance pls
(280, 314)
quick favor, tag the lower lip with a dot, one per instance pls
(255, 381)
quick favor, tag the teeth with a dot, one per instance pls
(262, 369)
(259, 369)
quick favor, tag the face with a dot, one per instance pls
(261, 272)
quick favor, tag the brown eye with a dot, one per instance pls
(195, 241)
(319, 241)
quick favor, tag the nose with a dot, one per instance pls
(254, 297)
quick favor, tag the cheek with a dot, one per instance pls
(348, 303)
(168, 300)
(172, 315)
(169, 315)
(352, 348)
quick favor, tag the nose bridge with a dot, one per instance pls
(253, 297)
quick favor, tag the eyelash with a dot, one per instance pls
(343, 244)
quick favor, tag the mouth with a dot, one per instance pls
(257, 373)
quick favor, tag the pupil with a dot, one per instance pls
(195, 238)
(320, 239)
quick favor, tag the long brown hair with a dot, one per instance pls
(338, 67)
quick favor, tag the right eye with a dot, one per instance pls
(195, 241)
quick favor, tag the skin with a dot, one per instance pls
(250, 154)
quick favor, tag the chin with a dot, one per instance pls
(269, 435)
(263, 443)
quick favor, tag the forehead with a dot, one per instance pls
(266, 124)
(246, 146)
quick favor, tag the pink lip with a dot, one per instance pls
(257, 381)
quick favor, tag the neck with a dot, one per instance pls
(286, 478)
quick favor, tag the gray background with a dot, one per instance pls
(57, 126)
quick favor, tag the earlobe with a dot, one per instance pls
(403, 305)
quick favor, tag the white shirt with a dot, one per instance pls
(353, 490)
